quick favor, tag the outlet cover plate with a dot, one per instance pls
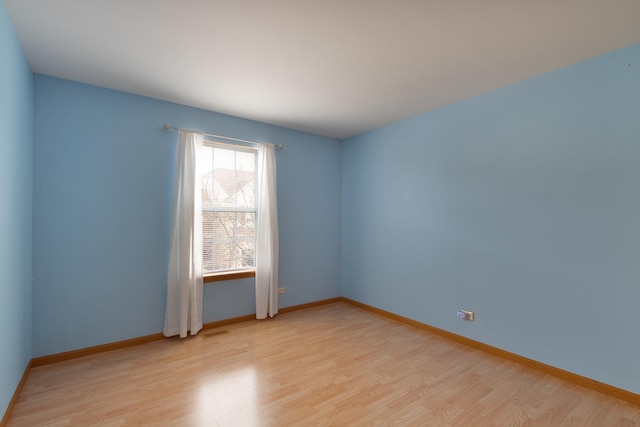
(466, 315)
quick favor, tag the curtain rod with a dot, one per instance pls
(167, 126)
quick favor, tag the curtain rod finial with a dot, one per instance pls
(167, 126)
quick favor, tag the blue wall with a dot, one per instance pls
(103, 185)
(16, 153)
(522, 205)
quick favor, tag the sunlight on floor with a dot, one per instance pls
(224, 398)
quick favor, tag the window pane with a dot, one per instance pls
(230, 180)
(228, 187)
(228, 240)
(205, 163)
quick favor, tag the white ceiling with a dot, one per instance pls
(332, 67)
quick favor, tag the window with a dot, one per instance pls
(228, 207)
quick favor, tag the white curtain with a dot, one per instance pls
(267, 235)
(184, 284)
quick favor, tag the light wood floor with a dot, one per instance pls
(332, 365)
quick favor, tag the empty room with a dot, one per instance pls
(298, 213)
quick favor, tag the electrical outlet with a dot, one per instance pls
(466, 315)
(282, 291)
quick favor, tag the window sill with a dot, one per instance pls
(229, 275)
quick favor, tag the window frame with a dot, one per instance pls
(228, 275)
(239, 273)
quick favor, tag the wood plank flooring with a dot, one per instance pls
(334, 365)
